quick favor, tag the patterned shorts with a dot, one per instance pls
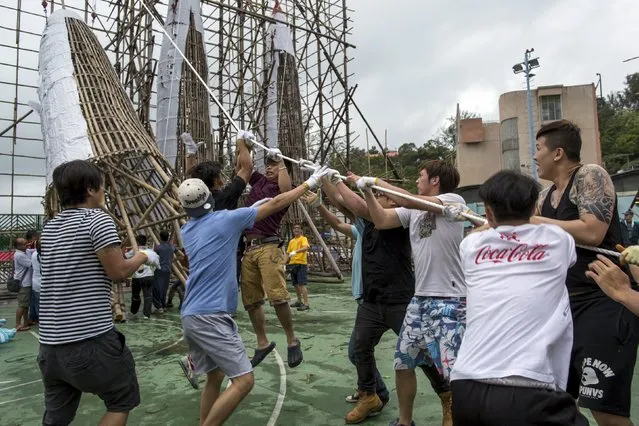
(432, 333)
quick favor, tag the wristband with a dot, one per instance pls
(282, 168)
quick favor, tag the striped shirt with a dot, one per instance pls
(75, 295)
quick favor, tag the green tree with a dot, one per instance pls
(619, 126)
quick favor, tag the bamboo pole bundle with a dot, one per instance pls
(86, 114)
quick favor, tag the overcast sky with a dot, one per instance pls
(415, 62)
(416, 59)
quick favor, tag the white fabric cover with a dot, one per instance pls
(64, 129)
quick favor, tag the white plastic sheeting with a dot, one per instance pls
(170, 73)
(64, 129)
(280, 40)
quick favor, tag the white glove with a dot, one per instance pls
(189, 144)
(452, 212)
(308, 165)
(315, 181)
(333, 176)
(260, 202)
(364, 183)
(247, 136)
(293, 253)
(631, 255)
(274, 154)
(152, 258)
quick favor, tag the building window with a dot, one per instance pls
(550, 107)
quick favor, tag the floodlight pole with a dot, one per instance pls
(531, 129)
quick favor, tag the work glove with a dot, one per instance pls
(333, 176)
(274, 154)
(315, 181)
(293, 253)
(312, 199)
(247, 136)
(366, 182)
(308, 165)
(190, 146)
(630, 255)
(452, 212)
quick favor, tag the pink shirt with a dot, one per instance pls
(262, 188)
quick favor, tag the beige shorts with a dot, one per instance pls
(263, 276)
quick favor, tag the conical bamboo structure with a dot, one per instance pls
(140, 186)
(183, 103)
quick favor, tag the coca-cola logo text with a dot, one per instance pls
(519, 253)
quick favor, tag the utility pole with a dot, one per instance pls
(525, 67)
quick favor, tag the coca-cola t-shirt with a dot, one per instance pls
(518, 313)
(435, 245)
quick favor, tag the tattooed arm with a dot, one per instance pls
(540, 200)
(594, 195)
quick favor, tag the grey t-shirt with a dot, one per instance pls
(435, 244)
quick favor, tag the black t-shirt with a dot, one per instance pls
(387, 270)
(228, 197)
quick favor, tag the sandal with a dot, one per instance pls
(295, 356)
(260, 354)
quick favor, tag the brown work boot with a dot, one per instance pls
(447, 408)
(368, 405)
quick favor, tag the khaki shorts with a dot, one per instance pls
(263, 276)
(24, 297)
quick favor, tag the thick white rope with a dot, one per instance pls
(310, 165)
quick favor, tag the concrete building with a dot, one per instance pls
(485, 148)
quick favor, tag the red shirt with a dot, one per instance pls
(262, 188)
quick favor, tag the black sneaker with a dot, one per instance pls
(296, 305)
(303, 307)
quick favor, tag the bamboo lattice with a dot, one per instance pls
(194, 114)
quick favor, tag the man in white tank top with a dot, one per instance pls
(513, 363)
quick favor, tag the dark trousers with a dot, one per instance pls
(160, 288)
(380, 386)
(483, 404)
(146, 286)
(34, 306)
(371, 322)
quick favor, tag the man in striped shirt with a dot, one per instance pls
(80, 349)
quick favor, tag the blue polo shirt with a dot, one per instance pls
(210, 243)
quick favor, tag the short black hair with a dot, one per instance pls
(510, 195)
(207, 171)
(447, 173)
(164, 235)
(562, 134)
(140, 239)
(73, 179)
(30, 234)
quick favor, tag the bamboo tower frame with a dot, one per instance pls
(140, 187)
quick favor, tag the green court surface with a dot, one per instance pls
(311, 394)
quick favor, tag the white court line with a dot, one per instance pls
(170, 346)
(282, 394)
(20, 385)
(4, 382)
(330, 296)
(20, 399)
(34, 334)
